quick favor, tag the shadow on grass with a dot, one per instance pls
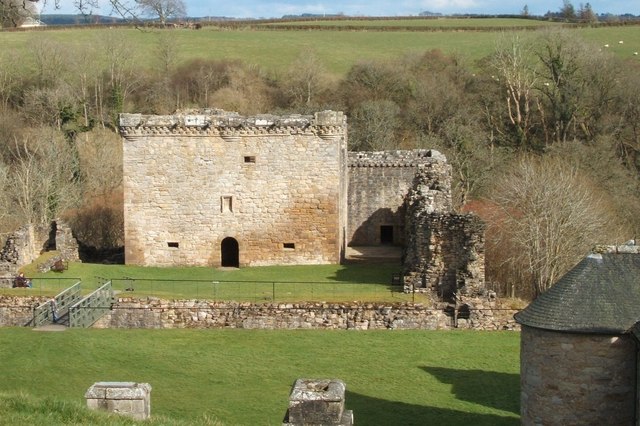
(488, 388)
(367, 273)
(374, 411)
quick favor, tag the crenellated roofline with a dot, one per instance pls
(231, 125)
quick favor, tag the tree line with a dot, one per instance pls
(543, 135)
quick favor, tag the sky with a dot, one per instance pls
(278, 8)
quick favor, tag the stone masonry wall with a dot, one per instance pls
(18, 311)
(576, 379)
(378, 185)
(21, 247)
(28, 242)
(277, 185)
(485, 314)
(445, 254)
(444, 251)
(145, 313)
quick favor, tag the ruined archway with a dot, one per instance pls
(230, 253)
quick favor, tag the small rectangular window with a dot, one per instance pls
(250, 159)
(173, 244)
(226, 205)
(289, 246)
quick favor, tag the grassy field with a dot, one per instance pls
(442, 23)
(332, 283)
(338, 50)
(243, 377)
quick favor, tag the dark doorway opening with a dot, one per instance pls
(230, 253)
(386, 234)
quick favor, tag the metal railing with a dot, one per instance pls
(259, 291)
(44, 313)
(92, 307)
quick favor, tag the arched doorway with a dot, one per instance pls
(230, 253)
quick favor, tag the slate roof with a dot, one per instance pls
(600, 295)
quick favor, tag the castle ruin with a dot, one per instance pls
(219, 189)
(213, 188)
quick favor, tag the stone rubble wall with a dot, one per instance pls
(378, 186)
(28, 242)
(445, 254)
(484, 314)
(66, 243)
(16, 311)
(444, 251)
(22, 247)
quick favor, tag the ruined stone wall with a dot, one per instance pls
(484, 314)
(445, 254)
(378, 186)
(274, 184)
(21, 247)
(444, 251)
(65, 242)
(576, 379)
(28, 242)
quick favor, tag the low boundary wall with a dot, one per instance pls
(159, 313)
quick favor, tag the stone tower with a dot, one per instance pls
(215, 188)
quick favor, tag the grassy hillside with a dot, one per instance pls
(275, 50)
(243, 377)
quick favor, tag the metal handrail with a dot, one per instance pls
(92, 307)
(43, 314)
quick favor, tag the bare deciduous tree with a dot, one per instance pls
(374, 124)
(515, 73)
(163, 9)
(49, 60)
(42, 181)
(473, 159)
(304, 79)
(549, 217)
(100, 154)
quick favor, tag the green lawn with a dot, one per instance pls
(331, 283)
(243, 377)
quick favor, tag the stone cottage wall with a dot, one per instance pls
(378, 186)
(576, 379)
(277, 185)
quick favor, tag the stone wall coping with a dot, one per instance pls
(317, 390)
(118, 390)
